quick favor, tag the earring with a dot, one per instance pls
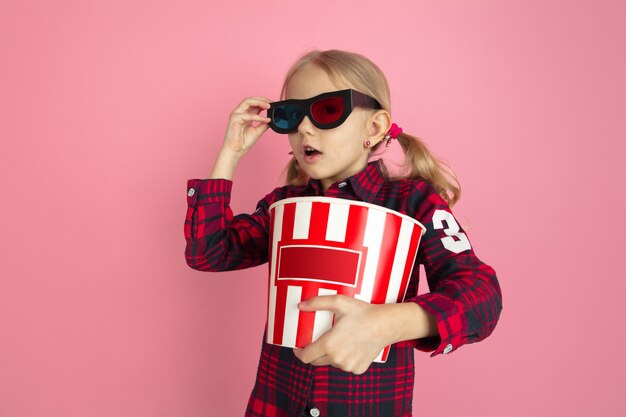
(367, 143)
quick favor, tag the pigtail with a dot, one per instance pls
(294, 174)
(420, 162)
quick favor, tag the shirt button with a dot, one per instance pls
(447, 349)
(191, 192)
(341, 185)
(315, 412)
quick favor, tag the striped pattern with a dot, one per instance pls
(328, 246)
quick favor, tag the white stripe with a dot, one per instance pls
(292, 314)
(323, 318)
(302, 221)
(337, 222)
(379, 358)
(399, 262)
(372, 240)
(271, 312)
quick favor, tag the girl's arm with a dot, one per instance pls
(361, 330)
(465, 298)
(463, 305)
(241, 135)
(217, 240)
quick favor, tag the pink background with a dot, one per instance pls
(107, 107)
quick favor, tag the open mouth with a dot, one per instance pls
(310, 151)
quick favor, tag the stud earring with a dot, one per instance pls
(367, 143)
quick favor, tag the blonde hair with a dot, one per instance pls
(363, 75)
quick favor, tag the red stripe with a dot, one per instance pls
(306, 320)
(319, 223)
(385, 354)
(385, 260)
(410, 261)
(355, 233)
(279, 315)
(289, 216)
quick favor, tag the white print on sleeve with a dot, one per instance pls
(461, 242)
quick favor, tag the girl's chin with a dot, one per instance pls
(312, 173)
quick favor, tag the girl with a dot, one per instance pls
(337, 115)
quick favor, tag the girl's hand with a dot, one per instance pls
(241, 135)
(359, 334)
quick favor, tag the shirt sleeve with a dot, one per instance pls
(217, 240)
(465, 297)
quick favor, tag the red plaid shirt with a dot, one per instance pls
(464, 297)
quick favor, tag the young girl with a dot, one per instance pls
(337, 115)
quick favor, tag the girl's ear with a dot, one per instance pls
(379, 124)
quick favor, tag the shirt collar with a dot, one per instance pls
(366, 183)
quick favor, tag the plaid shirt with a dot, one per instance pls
(464, 297)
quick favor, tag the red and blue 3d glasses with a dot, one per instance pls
(326, 111)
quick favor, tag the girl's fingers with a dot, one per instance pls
(250, 117)
(309, 353)
(254, 116)
(262, 98)
(253, 102)
(323, 361)
(260, 129)
(241, 133)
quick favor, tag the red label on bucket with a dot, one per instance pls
(320, 264)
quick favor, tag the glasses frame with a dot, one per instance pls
(351, 98)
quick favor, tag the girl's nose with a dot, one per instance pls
(305, 125)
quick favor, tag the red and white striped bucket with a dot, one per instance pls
(327, 246)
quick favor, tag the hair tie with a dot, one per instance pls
(393, 133)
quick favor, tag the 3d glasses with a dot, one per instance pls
(326, 111)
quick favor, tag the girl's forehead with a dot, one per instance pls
(310, 81)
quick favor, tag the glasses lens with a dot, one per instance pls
(327, 110)
(287, 116)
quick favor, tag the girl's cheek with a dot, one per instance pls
(293, 144)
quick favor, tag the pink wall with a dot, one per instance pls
(109, 106)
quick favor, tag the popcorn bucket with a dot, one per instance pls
(328, 246)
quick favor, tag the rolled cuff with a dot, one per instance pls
(208, 191)
(450, 323)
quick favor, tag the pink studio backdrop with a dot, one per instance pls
(108, 107)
